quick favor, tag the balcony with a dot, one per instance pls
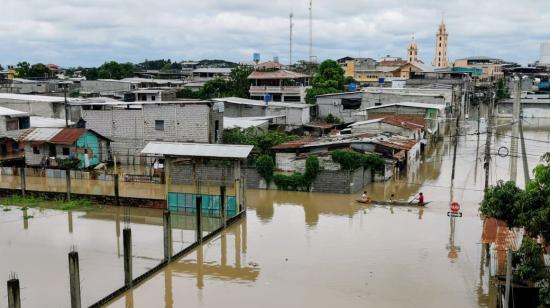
(288, 90)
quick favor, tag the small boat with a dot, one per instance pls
(394, 203)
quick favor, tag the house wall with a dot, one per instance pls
(90, 142)
(130, 130)
(333, 104)
(239, 110)
(105, 86)
(36, 108)
(34, 159)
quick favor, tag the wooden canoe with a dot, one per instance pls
(394, 203)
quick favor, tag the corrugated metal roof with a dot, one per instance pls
(12, 113)
(197, 150)
(278, 74)
(40, 134)
(410, 104)
(254, 102)
(68, 135)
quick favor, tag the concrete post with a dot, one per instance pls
(68, 181)
(117, 194)
(222, 206)
(70, 218)
(167, 219)
(23, 181)
(74, 279)
(238, 247)
(14, 295)
(237, 179)
(127, 243)
(223, 249)
(25, 218)
(198, 210)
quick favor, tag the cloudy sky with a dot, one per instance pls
(89, 32)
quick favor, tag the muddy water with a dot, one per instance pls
(292, 250)
(36, 249)
(325, 250)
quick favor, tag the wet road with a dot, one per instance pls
(293, 249)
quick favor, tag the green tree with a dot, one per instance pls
(215, 88)
(500, 201)
(502, 90)
(265, 167)
(39, 70)
(328, 78)
(91, 73)
(240, 83)
(115, 70)
(22, 69)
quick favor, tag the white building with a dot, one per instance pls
(544, 53)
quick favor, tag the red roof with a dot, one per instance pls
(403, 122)
(68, 136)
(292, 144)
(397, 63)
(269, 65)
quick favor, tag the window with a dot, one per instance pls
(35, 150)
(153, 98)
(159, 125)
(351, 103)
(66, 151)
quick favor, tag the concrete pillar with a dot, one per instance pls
(74, 279)
(117, 193)
(25, 218)
(222, 206)
(198, 215)
(68, 181)
(200, 267)
(245, 235)
(127, 243)
(70, 218)
(14, 295)
(23, 176)
(168, 293)
(237, 179)
(167, 178)
(167, 219)
(223, 260)
(238, 247)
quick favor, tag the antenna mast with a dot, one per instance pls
(290, 51)
(311, 31)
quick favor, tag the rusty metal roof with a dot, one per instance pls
(68, 135)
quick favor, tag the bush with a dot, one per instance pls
(312, 168)
(265, 167)
(351, 160)
(295, 181)
(332, 119)
(529, 261)
(262, 141)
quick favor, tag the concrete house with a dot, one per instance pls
(390, 124)
(131, 125)
(35, 105)
(278, 85)
(47, 146)
(290, 115)
(11, 120)
(345, 105)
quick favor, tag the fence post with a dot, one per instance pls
(198, 210)
(117, 195)
(167, 235)
(68, 181)
(127, 243)
(22, 174)
(222, 205)
(74, 279)
(14, 295)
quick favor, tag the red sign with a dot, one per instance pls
(455, 207)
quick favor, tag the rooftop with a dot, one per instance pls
(12, 113)
(253, 102)
(409, 104)
(278, 74)
(245, 122)
(32, 98)
(214, 70)
(197, 150)
(48, 122)
(394, 120)
(40, 134)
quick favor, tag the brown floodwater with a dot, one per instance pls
(291, 250)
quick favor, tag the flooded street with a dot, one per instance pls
(291, 250)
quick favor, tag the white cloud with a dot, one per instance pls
(74, 32)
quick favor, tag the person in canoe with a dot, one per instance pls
(365, 197)
(420, 199)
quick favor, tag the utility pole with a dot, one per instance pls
(524, 155)
(65, 105)
(488, 141)
(290, 47)
(311, 31)
(514, 138)
(457, 132)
